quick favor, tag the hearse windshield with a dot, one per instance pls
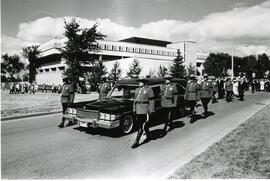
(122, 92)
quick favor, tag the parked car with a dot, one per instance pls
(116, 110)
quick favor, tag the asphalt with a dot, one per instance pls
(35, 148)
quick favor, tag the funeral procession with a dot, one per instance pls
(116, 89)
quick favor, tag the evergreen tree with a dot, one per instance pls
(79, 48)
(190, 70)
(94, 77)
(115, 72)
(177, 69)
(162, 71)
(32, 53)
(134, 69)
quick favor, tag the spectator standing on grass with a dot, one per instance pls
(44, 88)
(25, 86)
(67, 98)
(267, 85)
(253, 85)
(17, 88)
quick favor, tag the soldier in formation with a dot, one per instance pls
(143, 107)
(192, 95)
(206, 93)
(229, 89)
(67, 98)
(168, 100)
(104, 88)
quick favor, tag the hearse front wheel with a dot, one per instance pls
(127, 124)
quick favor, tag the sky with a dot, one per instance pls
(216, 25)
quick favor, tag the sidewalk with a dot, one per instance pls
(20, 105)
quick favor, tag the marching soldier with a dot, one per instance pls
(215, 89)
(143, 107)
(206, 93)
(192, 94)
(67, 98)
(229, 89)
(168, 100)
(104, 88)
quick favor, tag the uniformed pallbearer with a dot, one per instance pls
(206, 92)
(104, 88)
(67, 98)
(229, 89)
(168, 100)
(143, 108)
(215, 89)
(192, 95)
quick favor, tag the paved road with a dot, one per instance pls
(36, 148)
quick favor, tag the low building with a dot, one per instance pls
(149, 52)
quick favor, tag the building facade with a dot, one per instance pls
(149, 52)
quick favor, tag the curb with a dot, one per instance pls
(29, 115)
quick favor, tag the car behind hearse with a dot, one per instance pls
(116, 110)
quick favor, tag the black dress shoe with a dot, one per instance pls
(135, 145)
(69, 123)
(60, 126)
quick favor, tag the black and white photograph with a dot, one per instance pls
(135, 89)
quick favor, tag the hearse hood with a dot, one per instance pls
(110, 105)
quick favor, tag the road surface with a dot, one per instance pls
(35, 148)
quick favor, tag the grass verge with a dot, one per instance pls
(243, 153)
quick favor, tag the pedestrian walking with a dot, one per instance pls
(12, 88)
(67, 98)
(192, 94)
(229, 89)
(215, 89)
(221, 88)
(253, 85)
(104, 88)
(59, 88)
(17, 88)
(143, 107)
(262, 85)
(206, 93)
(25, 87)
(241, 88)
(168, 101)
(44, 88)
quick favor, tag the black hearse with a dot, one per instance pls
(116, 110)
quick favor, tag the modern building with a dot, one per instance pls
(149, 52)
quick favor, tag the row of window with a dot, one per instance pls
(136, 50)
(52, 69)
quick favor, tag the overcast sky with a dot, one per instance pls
(217, 25)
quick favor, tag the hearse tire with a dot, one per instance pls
(127, 124)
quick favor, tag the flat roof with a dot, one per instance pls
(146, 41)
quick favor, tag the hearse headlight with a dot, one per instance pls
(102, 116)
(74, 111)
(113, 117)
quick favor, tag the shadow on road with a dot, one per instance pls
(197, 117)
(113, 133)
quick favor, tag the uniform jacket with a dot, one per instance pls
(192, 91)
(215, 86)
(104, 88)
(144, 100)
(228, 86)
(169, 95)
(67, 95)
(206, 89)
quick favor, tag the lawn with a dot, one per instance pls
(243, 153)
(25, 104)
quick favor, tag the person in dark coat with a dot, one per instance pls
(220, 88)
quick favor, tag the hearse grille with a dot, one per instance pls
(87, 114)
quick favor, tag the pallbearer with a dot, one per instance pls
(215, 89)
(192, 95)
(206, 92)
(143, 107)
(67, 98)
(104, 88)
(168, 100)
